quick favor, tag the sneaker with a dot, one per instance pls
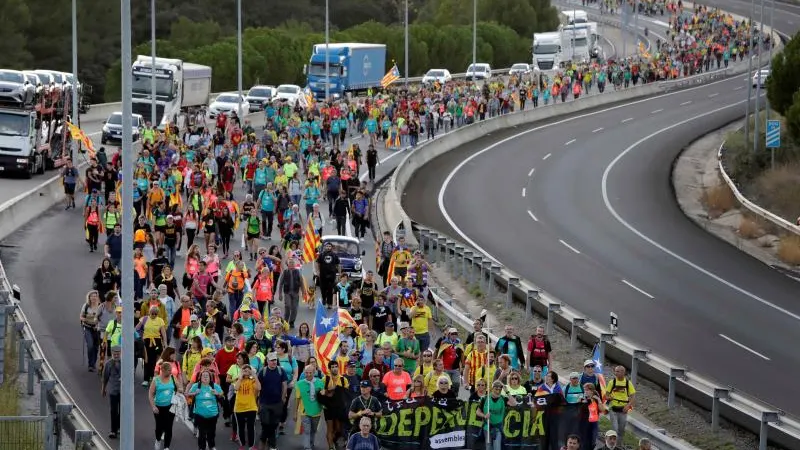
(112, 435)
(157, 445)
(145, 383)
(234, 437)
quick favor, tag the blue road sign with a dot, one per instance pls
(773, 134)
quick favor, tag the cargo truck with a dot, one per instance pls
(352, 67)
(575, 42)
(546, 51)
(179, 86)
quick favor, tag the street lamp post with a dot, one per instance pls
(758, 84)
(75, 116)
(239, 54)
(153, 105)
(327, 52)
(126, 293)
(751, 45)
(474, 34)
(766, 99)
(406, 47)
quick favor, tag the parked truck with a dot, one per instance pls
(352, 67)
(179, 86)
(546, 51)
(575, 42)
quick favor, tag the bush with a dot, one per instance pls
(750, 228)
(789, 250)
(718, 199)
(778, 190)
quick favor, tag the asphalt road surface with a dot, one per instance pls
(602, 231)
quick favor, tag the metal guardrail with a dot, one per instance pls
(752, 207)
(56, 404)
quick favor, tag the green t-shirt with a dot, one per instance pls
(409, 365)
(303, 392)
(496, 408)
(234, 372)
(253, 225)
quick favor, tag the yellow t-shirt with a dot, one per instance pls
(419, 318)
(246, 397)
(432, 381)
(385, 338)
(152, 328)
(619, 392)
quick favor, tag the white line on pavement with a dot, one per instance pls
(532, 216)
(743, 346)
(686, 103)
(713, 95)
(546, 156)
(627, 120)
(636, 288)
(656, 111)
(569, 246)
(737, 88)
(597, 129)
(533, 169)
(569, 142)
(523, 192)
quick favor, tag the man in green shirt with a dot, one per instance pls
(408, 348)
(309, 410)
(114, 330)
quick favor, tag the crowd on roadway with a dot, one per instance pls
(221, 214)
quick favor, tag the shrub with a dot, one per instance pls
(718, 199)
(789, 249)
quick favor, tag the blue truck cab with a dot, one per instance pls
(352, 67)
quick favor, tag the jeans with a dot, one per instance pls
(114, 404)
(234, 301)
(310, 425)
(164, 422)
(171, 250)
(92, 339)
(424, 341)
(206, 431)
(455, 378)
(267, 217)
(496, 434)
(619, 420)
(246, 426)
(341, 225)
(291, 300)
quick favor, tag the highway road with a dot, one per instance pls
(602, 232)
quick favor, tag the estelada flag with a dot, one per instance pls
(78, 134)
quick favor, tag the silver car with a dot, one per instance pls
(259, 96)
(15, 89)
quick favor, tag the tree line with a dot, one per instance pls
(36, 34)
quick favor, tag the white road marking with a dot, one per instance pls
(533, 169)
(656, 111)
(636, 288)
(686, 103)
(744, 347)
(627, 120)
(598, 129)
(713, 95)
(523, 192)
(546, 156)
(737, 88)
(569, 246)
(669, 252)
(532, 216)
(569, 142)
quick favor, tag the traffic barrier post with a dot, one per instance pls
(674, 374)
(24, 347)
(552, 310)
(459, 254)
(466, 268)
(45, 386)
(494, 272)
(441, 250)
(716, 402)
(34, 366)
(512, 283)
(577, 324)
(638, 355)
(767, 417)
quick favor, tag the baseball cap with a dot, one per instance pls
(206, 351)
(351, 364)
(246, 308)
(119, 309)
(390, 324)
(574, 375)
(589, 362)
(272, 356)
(365, 384)
(452, 330)
(193, 317)
(611, 433)
(404, 325)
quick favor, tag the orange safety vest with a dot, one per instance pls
(238, 275)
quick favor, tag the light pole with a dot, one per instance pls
(239, 55)
(474, 36)
(624, 12)
(751, 45)
(153, 106)
(406, 47)
(758, 84)
(766, 99)
(126, 293)
(327, 52)
(75, 116)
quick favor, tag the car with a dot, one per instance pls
(259, 96)
(596, 52)
(520, 69)
(480, 71)
(437, 75)
(349, 252)
(16, 89)
(228, 102)
(290, 93)
(760, 78)
(112, 128)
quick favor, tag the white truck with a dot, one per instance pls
(575, 42)
(573, 16)
(546, 51)
(179, 85)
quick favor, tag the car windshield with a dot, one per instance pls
(289, 89)
(260, 92)
(14, 125)
(545, 49)
(435, 73)
(70, 79)
(318, 69)
(227, 99)
(11, 77)
(116, 119)
(519, 67)
(477, 68)
(343, 247)
(57, 76)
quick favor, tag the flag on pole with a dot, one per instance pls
(326, 338)
(346, 320)
(311, 242)
(391, 76)
(78, 134)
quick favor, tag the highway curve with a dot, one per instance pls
(585, 208)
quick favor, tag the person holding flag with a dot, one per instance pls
(399, 261)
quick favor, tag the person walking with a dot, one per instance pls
(245, 408)
(163, 388)
(206, 395)
(112, 387)
(308, 410)
(290, 286)
(274, 387)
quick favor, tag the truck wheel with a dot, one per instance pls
(40, 166)
(48, 163)
(29, 171)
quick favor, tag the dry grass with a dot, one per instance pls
(789, 250)
(778, 191)
(9, 395)
(718, 200)
(750, 228)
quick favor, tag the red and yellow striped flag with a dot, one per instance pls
(311, 242)
(326, 337)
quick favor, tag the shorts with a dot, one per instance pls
(69, 189)
(253, 235)
(160, 228)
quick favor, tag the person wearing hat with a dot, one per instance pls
(450, 351)
(111, 387)
(408, 347)
(365, 405)
(610, 441)
(573, 391)
(588, 376)
(308, 410)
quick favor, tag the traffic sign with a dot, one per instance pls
(773, 134)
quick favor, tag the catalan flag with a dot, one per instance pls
(346, 320)
(391, 76)
(78, 134)
(311, 242)
(326, 338)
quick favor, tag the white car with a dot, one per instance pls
(259, 96)
(480, 71)
(520, 69)
(290, 93)
(760, 78)
(226, 103)
(434, 75)
(16, 89)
